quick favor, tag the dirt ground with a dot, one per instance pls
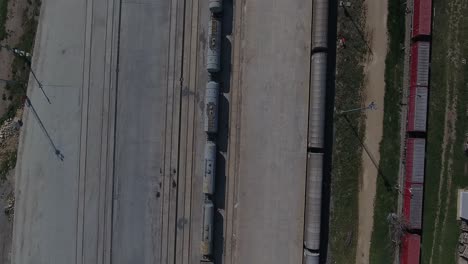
(8, 144)
(14, 29)
(9, 133)
(374, 92)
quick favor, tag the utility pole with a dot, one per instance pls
(371, 106)
(27, 57)
(8, 81)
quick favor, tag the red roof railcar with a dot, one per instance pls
(417, 109)
(422, 18)
(410, 249)
(413, 205)
(415, 156)
(419, 71)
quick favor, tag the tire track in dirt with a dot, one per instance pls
(453, 54)
(449, 126)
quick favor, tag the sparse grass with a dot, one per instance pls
(19, 67)
(448, 77)
(349, 130)
(30, 17)
(16, 90)
(7, 164)
(3, 18)
(382, 248)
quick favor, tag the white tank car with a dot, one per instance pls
(210, 168)
(213, 56)
(318, 81)
(216, 6)
(311, 258)
(211, 107)
(207, 231)
(313, 201)
(320, 24)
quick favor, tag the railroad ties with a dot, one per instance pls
(213, 66)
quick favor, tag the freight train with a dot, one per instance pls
(416, 128)
(213, 66)
(316, 132)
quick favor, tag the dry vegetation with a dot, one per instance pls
(349, 130)
(447, 165)
(18, 23)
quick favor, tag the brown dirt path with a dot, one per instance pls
(376, 22)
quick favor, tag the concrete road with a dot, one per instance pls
(139, 141)
(63, 207)
(47, 201)
(126, 82)
(268, 138)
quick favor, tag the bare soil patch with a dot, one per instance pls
(9, 133)
(14, 29)
(376, 21)
(18, 14)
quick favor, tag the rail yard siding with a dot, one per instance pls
(410, 249)
(413, 191)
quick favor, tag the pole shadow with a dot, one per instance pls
(57, 152)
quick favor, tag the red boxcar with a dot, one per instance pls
(412, 205)
(422, 17)
(410, 246)
(419, 71)
(415, 153)
(417, 109)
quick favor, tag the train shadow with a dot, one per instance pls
(224, 78)
(219, 197)
(329, 131)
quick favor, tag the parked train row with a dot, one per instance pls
(415, 148)
(213, 66)
(316, 132)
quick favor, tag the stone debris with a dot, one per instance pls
(9, 128)
(463, 241)
(464, 226)
(10, 207)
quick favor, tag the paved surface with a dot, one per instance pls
(125, 112)
(268, 137)
(126, 80)
(46, 210)
(142, 88)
